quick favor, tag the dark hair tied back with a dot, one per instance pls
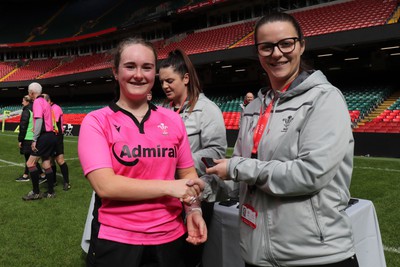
(181, 64)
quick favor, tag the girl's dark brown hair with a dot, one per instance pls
(181, 64)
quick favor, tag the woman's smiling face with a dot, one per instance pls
(136, 71)
(281, 68)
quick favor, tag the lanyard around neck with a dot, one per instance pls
(262, 123)
(179, 110)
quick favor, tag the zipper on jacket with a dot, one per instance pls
(321, 236)
(267, 243)
(276, 101)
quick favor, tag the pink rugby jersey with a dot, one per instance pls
(58, 113)
(42, 109)
(112, 138)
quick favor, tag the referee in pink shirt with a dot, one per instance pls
(43, 144)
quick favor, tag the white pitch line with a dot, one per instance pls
(65, 138)
(12, 163)
(70, 141)
(23, 164)
(389, 249)
(377, 169)
(71, 159)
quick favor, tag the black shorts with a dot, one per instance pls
(59, 150)
(26, 147)
(45, 145)
(105, 253)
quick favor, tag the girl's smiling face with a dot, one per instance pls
(136, 71)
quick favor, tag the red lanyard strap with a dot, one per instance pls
(262, 123)
(179, 110)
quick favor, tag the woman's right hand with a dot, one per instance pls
(220, 169)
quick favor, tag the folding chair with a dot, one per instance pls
(68, 129)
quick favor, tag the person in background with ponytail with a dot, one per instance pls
(25, 136)
(57, 115)
(204, 125)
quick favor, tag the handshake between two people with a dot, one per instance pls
(191, 196)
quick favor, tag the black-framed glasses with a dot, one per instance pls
(286, 46)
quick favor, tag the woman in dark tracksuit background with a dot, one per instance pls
(25, 135)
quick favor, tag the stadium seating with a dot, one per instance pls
(6, 69)
(81, 64)
(385, 118)
(32, 69)
(342, 16)
(315, 21)
(368, 109)
(218, 38)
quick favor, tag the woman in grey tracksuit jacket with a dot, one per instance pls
(301, 176)
(294, 187)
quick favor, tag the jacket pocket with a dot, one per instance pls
(318, 224)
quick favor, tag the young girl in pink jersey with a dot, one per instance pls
(131, 152)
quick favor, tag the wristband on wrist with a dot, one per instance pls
(190, 210)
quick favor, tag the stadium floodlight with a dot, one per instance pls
(351, 58)
(390, 47)
(395, 54)
(240, 70)
(226, 66)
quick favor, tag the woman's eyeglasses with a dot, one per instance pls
(286, 46)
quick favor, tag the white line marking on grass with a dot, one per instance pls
(390, 249)
(12, 163)
(65, 139)
(378, 169)
(3, 134)
(70, 141)
(71, 159)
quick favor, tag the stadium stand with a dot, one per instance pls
(6, 69)
(345, 16)
(366, 105)
(80, 64)
(32, 69)
(207, 40)
(384, 119)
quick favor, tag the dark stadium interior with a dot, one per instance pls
(349, 54)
